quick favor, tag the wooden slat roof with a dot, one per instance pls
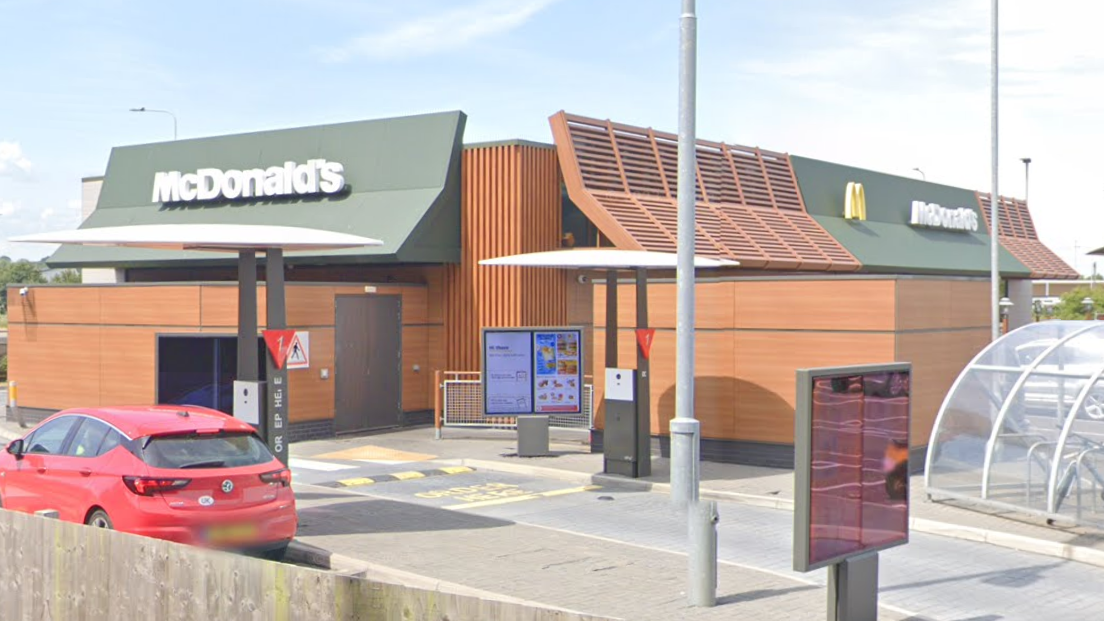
(1018, 236)
(749, 206)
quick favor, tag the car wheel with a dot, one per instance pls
(100, 519)
(275, 554)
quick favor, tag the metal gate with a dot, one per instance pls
(462, 405)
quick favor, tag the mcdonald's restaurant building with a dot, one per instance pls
(837, 265)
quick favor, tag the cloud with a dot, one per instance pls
(12, 160)
(7, 208)
(909, 87)
(447, 30)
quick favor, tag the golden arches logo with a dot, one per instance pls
(854, 206)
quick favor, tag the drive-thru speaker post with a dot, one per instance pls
(851, 469)
(532, 374)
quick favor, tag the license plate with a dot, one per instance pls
(234, 533)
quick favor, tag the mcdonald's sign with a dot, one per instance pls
(854, 206)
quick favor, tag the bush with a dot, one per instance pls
(4, 368)
(1071, 305)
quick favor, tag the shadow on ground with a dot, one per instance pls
(751, 596)
(376, 516)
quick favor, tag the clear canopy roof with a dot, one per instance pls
(1023, 425)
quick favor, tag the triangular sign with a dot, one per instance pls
(279, 342)
(298, 356)
(645, 336)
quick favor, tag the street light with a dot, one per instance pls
(994, 196)
(144, 109)
(1027, 163)
(1005, 305)
(921, 173)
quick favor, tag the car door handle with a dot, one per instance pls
(42, 469)
(86, 472)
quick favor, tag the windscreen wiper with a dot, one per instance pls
(203, 464)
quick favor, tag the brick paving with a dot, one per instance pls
(540, 564)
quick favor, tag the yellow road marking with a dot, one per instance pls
(456, 469)
(355, 482)
(529, 496)
(406, 476)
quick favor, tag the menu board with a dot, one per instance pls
(852, 464)
(507, 372)
(532, 371)
(557, 381)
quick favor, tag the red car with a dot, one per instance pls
(183, 473)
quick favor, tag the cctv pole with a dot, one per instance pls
(685, 430)
(994, 199)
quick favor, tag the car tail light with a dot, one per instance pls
(148, 486)
(283, 477)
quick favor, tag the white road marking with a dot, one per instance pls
(307, 464)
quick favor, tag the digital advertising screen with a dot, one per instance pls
(532, 371)
(851, 462)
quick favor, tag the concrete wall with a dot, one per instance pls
(61, 571)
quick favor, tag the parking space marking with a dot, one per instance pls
(516, 494)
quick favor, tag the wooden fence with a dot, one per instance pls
(57, 571)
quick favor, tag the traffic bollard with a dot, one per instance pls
(703, 553)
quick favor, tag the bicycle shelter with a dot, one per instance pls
(1022, 427)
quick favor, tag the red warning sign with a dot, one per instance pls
(279, 343)
(645, 336)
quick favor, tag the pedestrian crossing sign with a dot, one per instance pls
(298, 353)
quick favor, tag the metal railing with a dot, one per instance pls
(459, 403)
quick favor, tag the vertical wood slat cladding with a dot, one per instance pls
(510, 204)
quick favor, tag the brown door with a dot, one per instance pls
(368, 367)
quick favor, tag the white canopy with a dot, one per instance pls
(212, 237)
(603, 258)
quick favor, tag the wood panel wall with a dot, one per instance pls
(511, 204)
(73, 346)
(753, 335)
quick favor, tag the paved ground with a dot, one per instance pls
(552, 533)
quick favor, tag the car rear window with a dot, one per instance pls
(225, 450)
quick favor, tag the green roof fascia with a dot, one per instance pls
(885, 242)
(403, 188)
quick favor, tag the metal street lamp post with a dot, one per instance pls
(925, 177)
(144, 109)
(994, 198)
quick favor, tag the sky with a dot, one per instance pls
(890, 85)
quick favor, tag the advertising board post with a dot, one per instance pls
(532, 374)
(853, 424)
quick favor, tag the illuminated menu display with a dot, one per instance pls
(858, 445)
(532, 371)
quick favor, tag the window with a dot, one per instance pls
(51, 437)
(225, 450)
(86, 441)
(110, 441)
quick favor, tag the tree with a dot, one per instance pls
(66, 277)
(21, 272)
(1071, 304)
